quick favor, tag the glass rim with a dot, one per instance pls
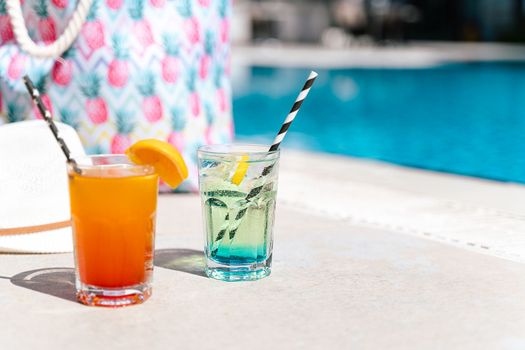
(125, 161)
(213, 150)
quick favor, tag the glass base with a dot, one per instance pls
(240, 273)
(113, 297)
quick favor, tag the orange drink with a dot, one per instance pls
(113, 208)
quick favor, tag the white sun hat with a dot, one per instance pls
(34, 199)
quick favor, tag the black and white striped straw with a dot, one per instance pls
(46, 114)
(275, 146)
(293, 112)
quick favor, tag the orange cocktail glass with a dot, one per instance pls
(113, 208)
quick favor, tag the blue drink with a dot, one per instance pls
(238, 226)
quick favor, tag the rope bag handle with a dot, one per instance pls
(55, 49)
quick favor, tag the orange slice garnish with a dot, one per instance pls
(162, 156)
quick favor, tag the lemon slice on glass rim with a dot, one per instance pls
(162, 156)
(241, 170)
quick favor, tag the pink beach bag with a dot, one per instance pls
(122, 70)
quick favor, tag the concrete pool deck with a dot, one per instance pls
(359, 262)
(409, 55)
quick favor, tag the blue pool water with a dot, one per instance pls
(466, 118)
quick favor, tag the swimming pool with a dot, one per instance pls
(464, 118)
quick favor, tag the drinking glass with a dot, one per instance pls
(113, 206)
(238, 186)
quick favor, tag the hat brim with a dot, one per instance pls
(51, 241)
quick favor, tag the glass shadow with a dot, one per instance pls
(184, 260)
(58, 282)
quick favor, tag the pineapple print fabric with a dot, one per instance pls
(139, 69)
